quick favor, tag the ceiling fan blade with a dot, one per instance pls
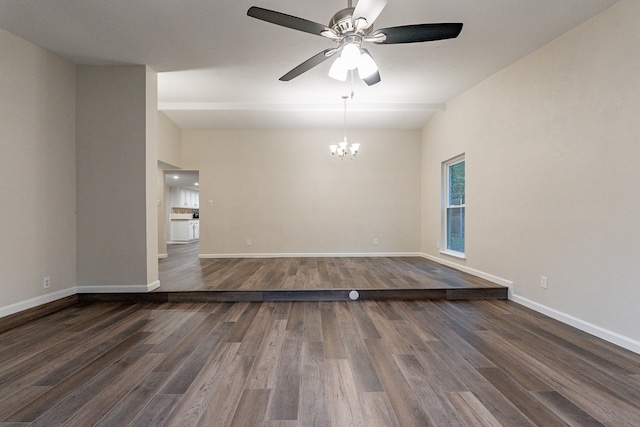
(417, 33)
(369, 10)
(287, 20)
(308, 64)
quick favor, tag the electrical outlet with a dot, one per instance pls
(375, 242)
(46, 282)
(438, 245)
(544, 282)
(248, 242)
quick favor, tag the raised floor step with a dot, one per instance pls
(498, 292)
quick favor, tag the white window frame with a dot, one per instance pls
(444, 244)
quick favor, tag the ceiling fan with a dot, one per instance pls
(349, 28)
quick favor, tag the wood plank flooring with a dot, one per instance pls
(182, 271)
(339, 363)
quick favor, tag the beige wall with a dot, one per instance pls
(37, 163)
(162, 215)
(116, 178)
(169, 141)
(169, 157)
(151, 173)
(282, 190)
(552, 149)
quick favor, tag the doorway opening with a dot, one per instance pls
(182, 209)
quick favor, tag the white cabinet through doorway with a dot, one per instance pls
(185, 198)
(185, 230)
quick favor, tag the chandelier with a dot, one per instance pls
(343, 149)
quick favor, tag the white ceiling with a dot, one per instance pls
(181, 178)
(219, 68)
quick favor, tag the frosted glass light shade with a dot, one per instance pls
(338, 70)
(350, 55)
(366, 66)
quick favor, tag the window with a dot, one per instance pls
(453, 197)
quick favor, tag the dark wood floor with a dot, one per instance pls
(183, 271)
(366, 363)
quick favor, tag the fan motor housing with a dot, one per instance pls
(341, 21)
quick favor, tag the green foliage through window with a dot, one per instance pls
(456, 184)
(454, 209)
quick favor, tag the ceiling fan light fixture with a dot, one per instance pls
(349, 28)
(366, 66)
(350, 55)
(338, 70)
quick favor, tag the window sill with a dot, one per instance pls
(454, 254)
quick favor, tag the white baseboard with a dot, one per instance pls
(34, 302)
(607, 335)
(313, 255)
(45, 299)
(610, 336)
(161, 256)
(116, 289)
(153, 286)
(490, 277)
